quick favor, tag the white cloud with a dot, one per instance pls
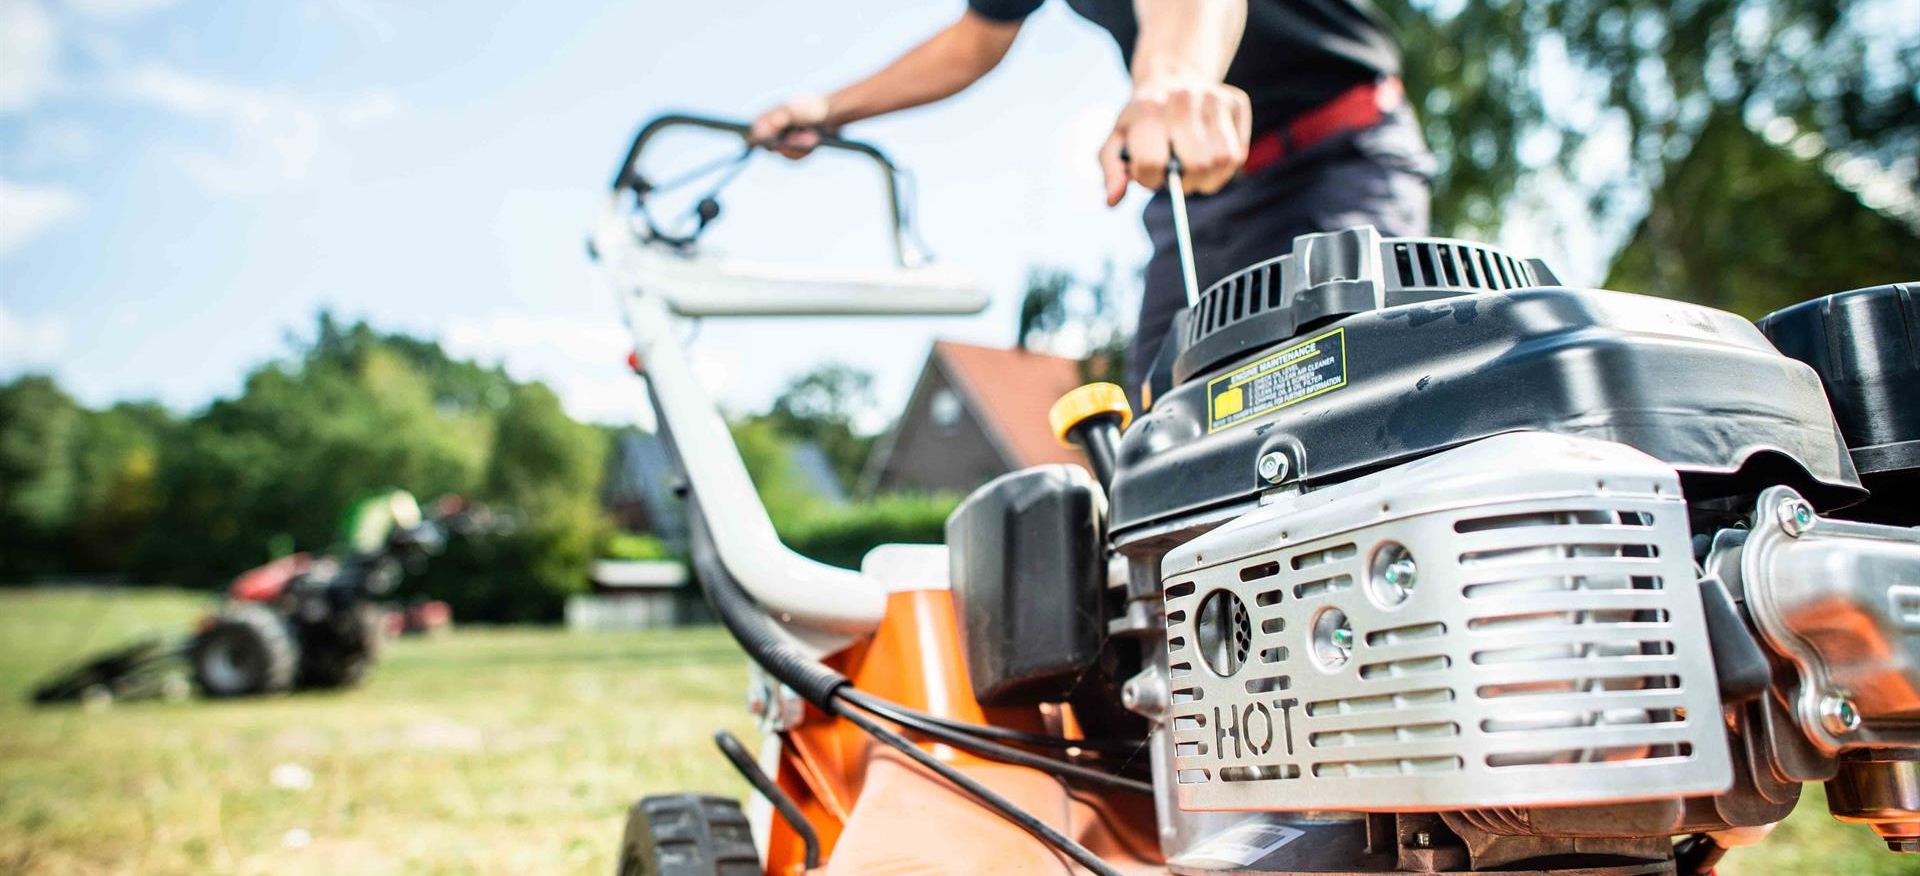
(117, 10)
(29, 54)
(370, 108)
(582, 360)
(277, 137)
(50, 143)
(27, 341)
(277, 134)
(27, 210)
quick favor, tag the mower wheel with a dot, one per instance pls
(246, 652)
(333, 660)
(687, 835)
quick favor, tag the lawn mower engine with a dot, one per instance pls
(1420, 562)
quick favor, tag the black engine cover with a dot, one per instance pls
(1865, 345)
(1698, 388)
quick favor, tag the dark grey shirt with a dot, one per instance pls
(1294, 56)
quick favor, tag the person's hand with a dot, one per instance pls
(1206, 124)
(792, 128)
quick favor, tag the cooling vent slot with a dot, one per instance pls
(1449, 264)
(1522, 651)
(1406, 265)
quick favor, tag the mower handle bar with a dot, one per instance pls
(906, 253)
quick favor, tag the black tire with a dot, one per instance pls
(337, 658)
(687, 835)
(247, 652)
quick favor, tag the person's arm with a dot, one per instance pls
(1180, 106)
(941, 67)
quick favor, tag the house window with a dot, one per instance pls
(945, 411)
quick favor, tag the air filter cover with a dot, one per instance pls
(1514, 622)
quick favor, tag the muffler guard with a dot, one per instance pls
(1514, 622)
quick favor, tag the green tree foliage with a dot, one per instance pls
(76, 485)
(1077, 316)
(352, 411)
(38, 423)
(823, 406)
(545, 469)
(1742, 225)
(1477, 73)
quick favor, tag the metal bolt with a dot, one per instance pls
(1838, 715)
(1273, 467)
(1400, 573)
(1796, 516)
(1423, 840)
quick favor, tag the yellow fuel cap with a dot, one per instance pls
(1085, 402)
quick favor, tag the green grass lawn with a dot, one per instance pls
(509, 751)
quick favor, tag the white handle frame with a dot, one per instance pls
(824, 607)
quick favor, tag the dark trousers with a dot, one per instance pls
(1377, 176)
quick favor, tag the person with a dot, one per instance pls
(1287, 117)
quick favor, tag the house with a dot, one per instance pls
(976, 413)
(638, 490)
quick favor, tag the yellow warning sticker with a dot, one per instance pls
(1295, 374)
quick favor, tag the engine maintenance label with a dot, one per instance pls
(1294, 374)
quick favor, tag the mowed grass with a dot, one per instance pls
(491, 751)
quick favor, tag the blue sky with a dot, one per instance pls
(186, 181)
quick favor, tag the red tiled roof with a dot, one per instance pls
(1011, 391)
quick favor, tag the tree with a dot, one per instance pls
(1477, 73)
(824, 406)
(1744, 225)
(38, 423)
(1076, 317)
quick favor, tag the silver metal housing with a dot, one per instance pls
(1513, 622)
(1841, 602)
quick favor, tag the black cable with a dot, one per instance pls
(758, 778)
(914, 718)
(1006, 754)
(820, 685)
(1007, 809)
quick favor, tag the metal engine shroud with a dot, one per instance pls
(1412, 530)
(1514, 622)
(1398, 370)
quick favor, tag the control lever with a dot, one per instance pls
(1182, 232)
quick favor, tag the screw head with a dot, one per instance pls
(1273, 467)
(1796, 516)
(1331, 639)
(1838, 715)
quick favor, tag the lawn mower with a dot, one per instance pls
(298, 622)
(1415, 561)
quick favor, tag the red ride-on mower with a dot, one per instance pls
(297, 622)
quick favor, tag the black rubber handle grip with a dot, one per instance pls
(828, 140)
